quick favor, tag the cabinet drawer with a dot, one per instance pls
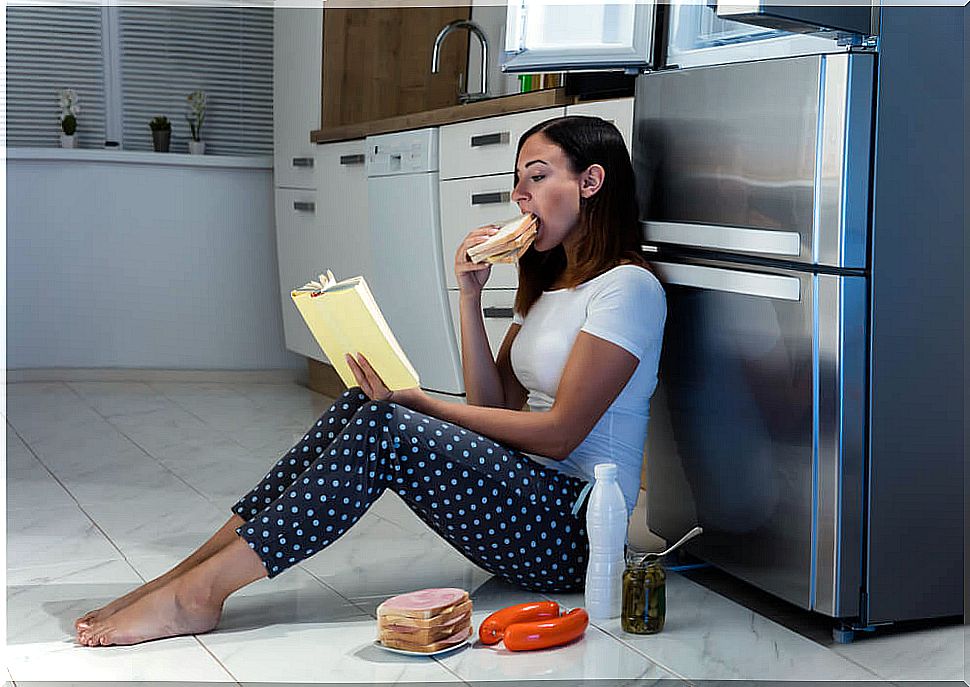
(486, 146)
(302, 253)
(497, 306)
(470, 203)
(619, 111)
(342, 208)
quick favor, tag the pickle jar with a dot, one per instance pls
(644, 595)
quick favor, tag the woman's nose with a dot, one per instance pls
(518, 195)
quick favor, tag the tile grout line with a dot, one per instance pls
(216, 659)
(76, 502)
(141, 448)
(634, 649)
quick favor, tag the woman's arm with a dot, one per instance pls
(595, 374)
(483, 384)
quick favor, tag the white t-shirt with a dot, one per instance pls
(625, 306)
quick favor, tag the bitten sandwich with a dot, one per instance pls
(425, 621)
(509, 244)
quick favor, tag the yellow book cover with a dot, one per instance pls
(344, 318)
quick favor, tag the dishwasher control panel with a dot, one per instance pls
(403, 152)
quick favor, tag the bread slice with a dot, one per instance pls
(425, 635)
(456, 638)
(422, 604)
(445, 616)
(516, 235)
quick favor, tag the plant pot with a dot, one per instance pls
(68, 141)
(161, 140)
(197, 147)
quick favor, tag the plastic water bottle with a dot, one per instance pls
(606, 525)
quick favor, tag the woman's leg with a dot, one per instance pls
(276, 480)
(189, 604)
(506, 513)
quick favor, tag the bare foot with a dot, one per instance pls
(105, 612)
(173, 609)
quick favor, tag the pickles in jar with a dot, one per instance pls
(644, 598)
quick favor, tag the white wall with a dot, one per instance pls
(142, 260)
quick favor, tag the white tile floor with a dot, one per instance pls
(111, 483)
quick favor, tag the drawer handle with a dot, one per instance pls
(498, 313)
(304, 206)
(491, 198)
(500, 138)
(352, 159)
(303, 162)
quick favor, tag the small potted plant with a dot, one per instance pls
(195, 117)
(161, 133)
(69, 111)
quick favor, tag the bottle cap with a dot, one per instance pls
(605, 471)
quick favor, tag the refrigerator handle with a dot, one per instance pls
(720, 237)
(731, 281)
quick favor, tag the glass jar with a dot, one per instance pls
(644, 595)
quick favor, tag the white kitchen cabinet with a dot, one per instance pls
(486, 146)
(297, 65)
(342, 209)
(470, 203)
(619, 111)
(497, 311)
(322, 229)
(300, 250)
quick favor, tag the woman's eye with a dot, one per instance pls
(537, 177)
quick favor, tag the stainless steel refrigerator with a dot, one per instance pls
(800, 180)
(811, 395)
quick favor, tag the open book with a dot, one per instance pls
(344, 318)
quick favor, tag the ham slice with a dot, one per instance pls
(424, 603)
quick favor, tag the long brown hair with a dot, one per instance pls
(608, 220)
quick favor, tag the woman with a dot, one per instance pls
(502, 485)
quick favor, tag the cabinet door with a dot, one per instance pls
(497, 310)
(619, 111)
(486, 146)
(470, 203)
(297, 56)
(301, 257)
(342, 209)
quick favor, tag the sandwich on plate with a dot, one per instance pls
(510, 242)
(425, 621)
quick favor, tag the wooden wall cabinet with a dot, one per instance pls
(377, 62)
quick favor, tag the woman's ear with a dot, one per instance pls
(591, 181)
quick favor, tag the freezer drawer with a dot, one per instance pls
(769, 158)
(757, 427)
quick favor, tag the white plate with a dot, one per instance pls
(459, 645)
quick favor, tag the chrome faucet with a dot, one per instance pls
(463, 96)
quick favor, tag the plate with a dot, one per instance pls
(393, 650)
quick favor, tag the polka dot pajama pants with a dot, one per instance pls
(502, 510)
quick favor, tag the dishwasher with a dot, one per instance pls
(408, 280)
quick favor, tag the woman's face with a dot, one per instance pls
(548, 189)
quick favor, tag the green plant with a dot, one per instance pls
(68, 100)
(196, 114)
(69, 124)
(160, 123)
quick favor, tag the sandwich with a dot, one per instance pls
(510, 242)
(425, 621)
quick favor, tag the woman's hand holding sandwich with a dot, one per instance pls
(472, 276)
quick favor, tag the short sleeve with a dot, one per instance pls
(629, 310)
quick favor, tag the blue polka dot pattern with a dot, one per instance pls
(503, 511)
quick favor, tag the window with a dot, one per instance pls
(130, 64)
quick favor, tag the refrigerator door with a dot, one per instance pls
(768, 159)
(698, 36)
(544, 36)
(757, 427)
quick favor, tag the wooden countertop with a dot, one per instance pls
(521, 102)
